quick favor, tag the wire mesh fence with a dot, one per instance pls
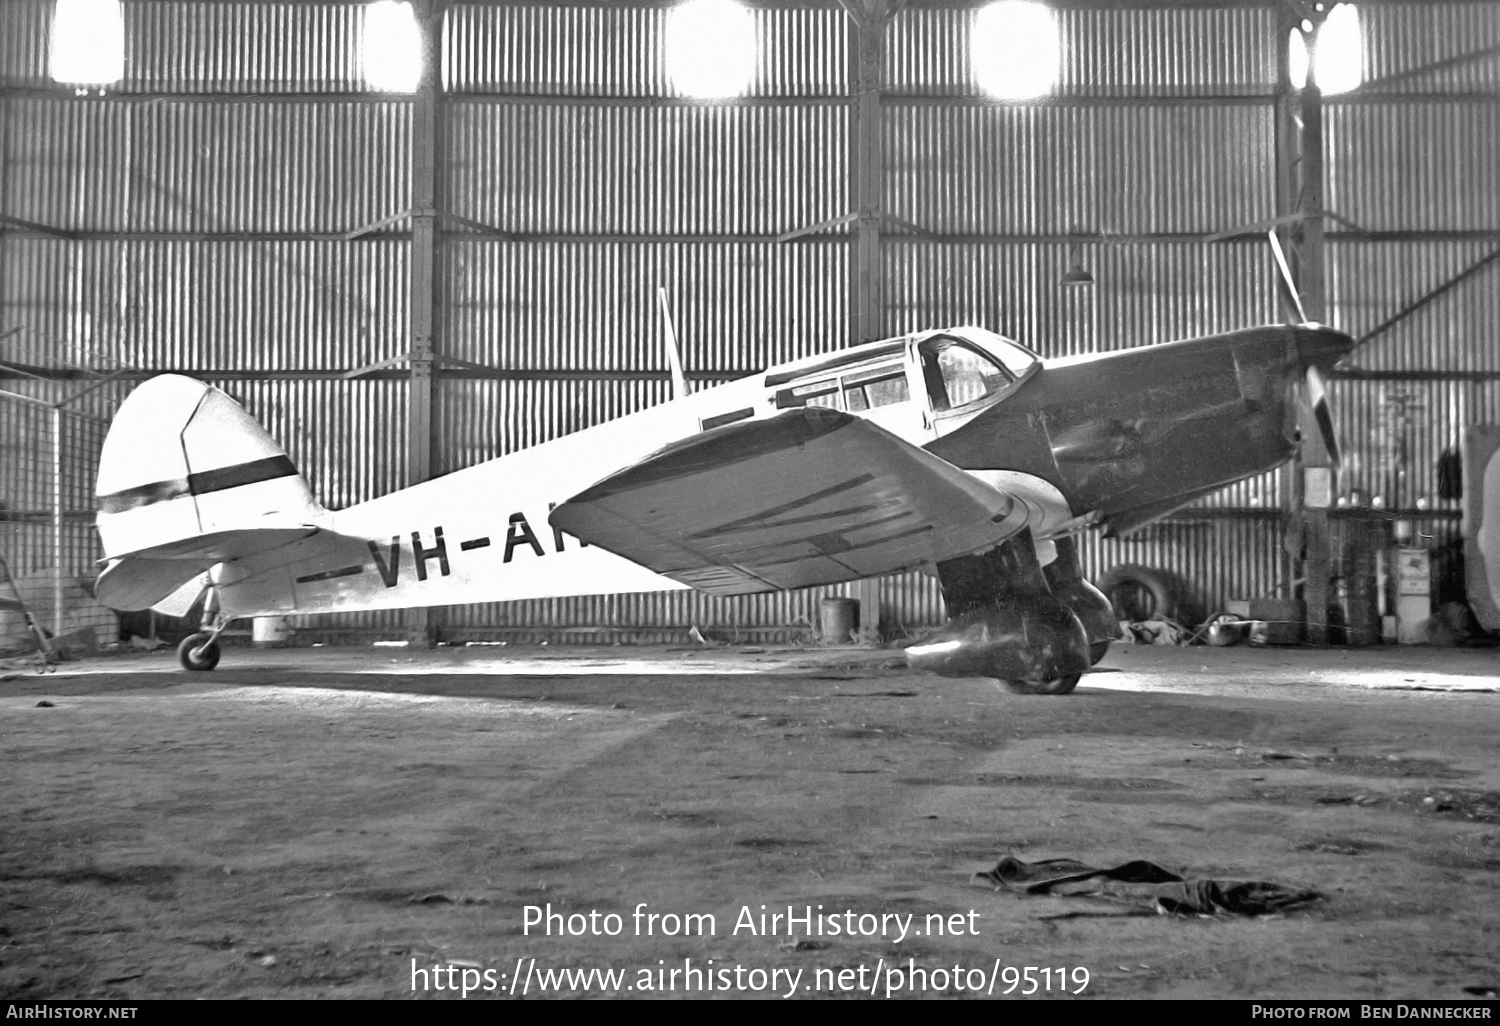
(48, 461)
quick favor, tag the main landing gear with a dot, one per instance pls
(1038, 633)
(1092, 607)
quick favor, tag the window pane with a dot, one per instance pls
(967, 376)
(814, 393)
(887, 391)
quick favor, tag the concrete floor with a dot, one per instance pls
(342, 822)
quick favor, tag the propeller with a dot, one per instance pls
(674, 356)
(1317, 397)
(1316, 390)
(1286, 276)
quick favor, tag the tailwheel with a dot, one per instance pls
(1055, 686)
(199, 652)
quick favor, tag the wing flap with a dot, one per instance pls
(812, 496)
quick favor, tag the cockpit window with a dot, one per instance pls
(1015, 357)
(956, 373)
(879, 386)
(814, 393)
(855, 391)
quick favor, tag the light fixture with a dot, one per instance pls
(1014, 49)
(708, 48)
(391, 51)
(1340, 52)
(88, 42)
(1075, 275)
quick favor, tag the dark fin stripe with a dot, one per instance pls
(143, 495)
(254, 472)
(268, 469)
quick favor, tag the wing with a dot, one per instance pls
(141, 579)
(812, 496)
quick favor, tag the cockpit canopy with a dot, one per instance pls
(955, 368)
(964, 365)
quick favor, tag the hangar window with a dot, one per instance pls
(708, 48)
(88, 42)
(1339, 64)
(391, 51)
(1014, 49)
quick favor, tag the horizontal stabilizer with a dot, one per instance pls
(142, 579)
(180, 602)
(131, 584)
(812, 496)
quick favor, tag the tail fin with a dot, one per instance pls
(188, 479)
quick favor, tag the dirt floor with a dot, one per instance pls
(378, 823)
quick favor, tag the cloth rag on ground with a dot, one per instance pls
(1145, 883)
(1154, 632)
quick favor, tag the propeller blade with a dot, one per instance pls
(1317, 398)
(674, 356)
(1286, 275)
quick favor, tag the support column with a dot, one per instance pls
(867, 171)
(1299, 191)
(57, 520)
(1288, 146)
(421, 624)
(1316, 461)
(867, 179)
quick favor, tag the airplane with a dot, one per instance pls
(957, 450)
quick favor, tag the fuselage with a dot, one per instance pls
(1127, 435)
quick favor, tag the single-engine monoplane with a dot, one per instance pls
(957, 450)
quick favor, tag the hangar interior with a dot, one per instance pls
(410, 238)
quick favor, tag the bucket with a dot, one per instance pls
(837, 618)
(269, 632)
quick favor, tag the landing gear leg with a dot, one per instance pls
(1091, 606)
(201, 651)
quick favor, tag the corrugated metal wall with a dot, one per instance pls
(1417, 159)
(195, 218)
